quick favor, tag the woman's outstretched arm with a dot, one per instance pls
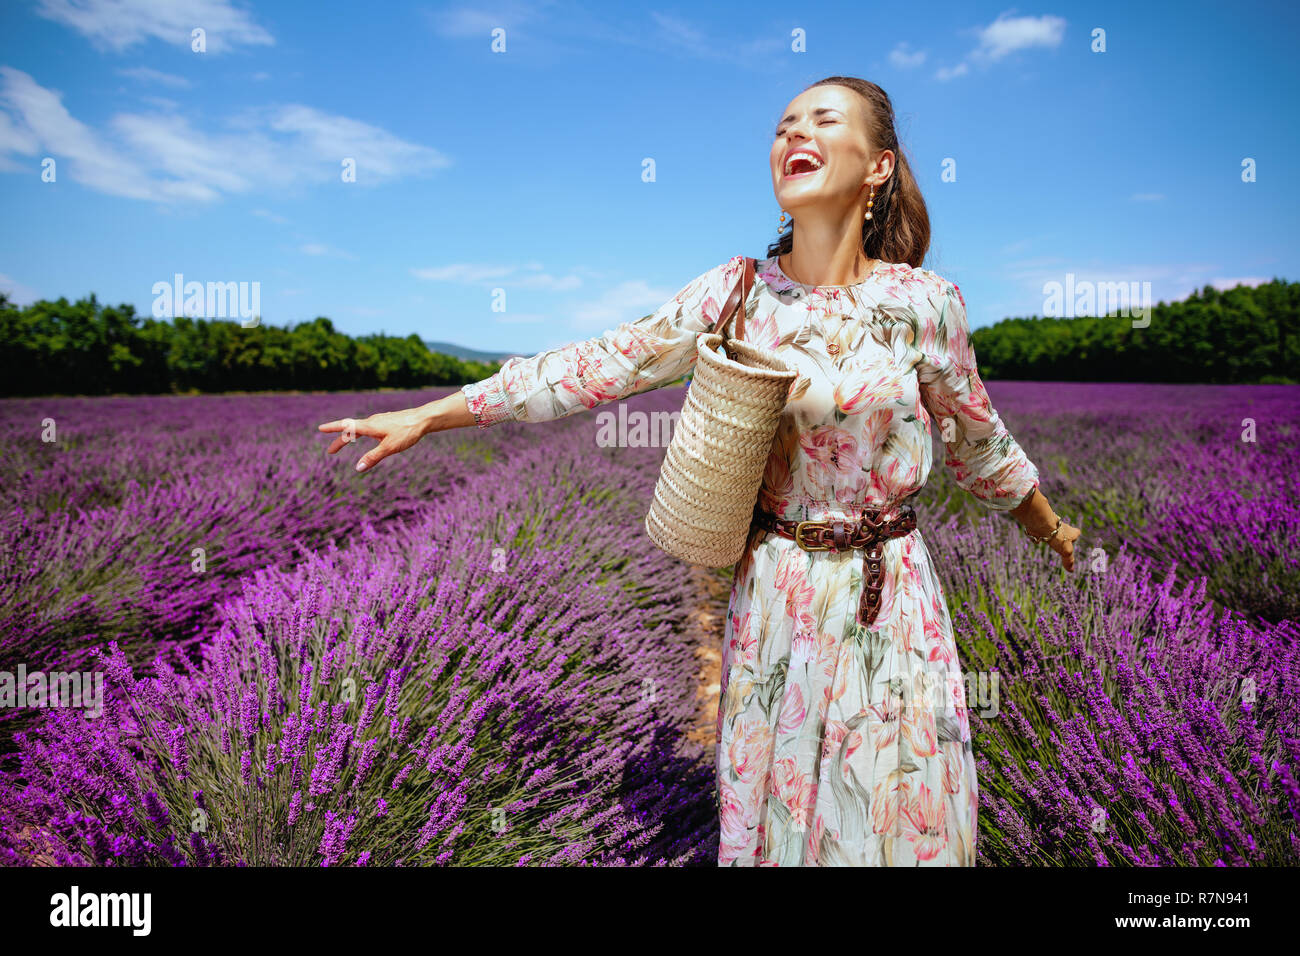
(398, 431)
(648, 353)
(635, 357)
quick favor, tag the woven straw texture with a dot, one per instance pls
(704, 500)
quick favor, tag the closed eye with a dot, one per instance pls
(781, 132)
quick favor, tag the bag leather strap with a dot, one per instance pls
(735, 303)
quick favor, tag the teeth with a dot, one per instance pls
(789, 163)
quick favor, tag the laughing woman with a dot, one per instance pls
(842, 732)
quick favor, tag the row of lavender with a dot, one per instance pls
(499, 675)
(465, 681)
(1202, 478)
(1148, 707)
(132, 518)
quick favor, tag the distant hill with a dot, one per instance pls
(471, 355)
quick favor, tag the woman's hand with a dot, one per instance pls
(396, 431)
(1036, 516)
(1063, 544)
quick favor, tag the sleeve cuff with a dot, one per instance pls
(1029, 494)
(487, 401)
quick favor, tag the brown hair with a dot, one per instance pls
(899, 227)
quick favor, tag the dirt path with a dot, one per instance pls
(707, 626)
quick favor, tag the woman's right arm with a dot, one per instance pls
(450, 411)
(635, 357)
(653, 351)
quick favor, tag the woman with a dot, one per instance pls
(842, 733)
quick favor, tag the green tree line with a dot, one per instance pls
(1238, 336)
(87, 348)
(1241, 335)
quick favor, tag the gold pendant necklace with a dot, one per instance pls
(832, 348)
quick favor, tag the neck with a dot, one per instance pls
(828, 252)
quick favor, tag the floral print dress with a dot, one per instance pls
(837, 744)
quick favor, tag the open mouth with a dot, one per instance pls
(801, 165)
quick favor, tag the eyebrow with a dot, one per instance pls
(817, 112)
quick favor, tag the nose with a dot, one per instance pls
(792, 137)
(795, 134)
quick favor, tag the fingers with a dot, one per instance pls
(351, 428)
(392, 434)
(354, 426)
(374, 456)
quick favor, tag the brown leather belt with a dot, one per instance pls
(836, 534)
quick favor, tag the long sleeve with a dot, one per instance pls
(984, 458)
(634, 357)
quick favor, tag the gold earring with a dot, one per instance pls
(870, 200)
(781, 224)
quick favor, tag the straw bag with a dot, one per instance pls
(704, 500)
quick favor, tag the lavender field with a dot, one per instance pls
(474, 654)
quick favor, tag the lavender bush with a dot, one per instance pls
(479, 686)
(98, 538)
(1135, 723)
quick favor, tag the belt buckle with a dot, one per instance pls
(798, 537)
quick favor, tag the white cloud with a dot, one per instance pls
(900, 57)
(464, 272)
(37, 121)
(147, 74)
(1008, 34)
(625, 302)
(15, 138)
(18, 293)
(469, 21)
(187, 154)
(529, 276)
(120, 24)
(163, 158)
(270, 215)
(1170, 282)
(330, 138)
(532, 23)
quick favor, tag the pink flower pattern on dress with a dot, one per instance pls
(837, 745)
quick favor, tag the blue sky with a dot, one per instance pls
(522, 170)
